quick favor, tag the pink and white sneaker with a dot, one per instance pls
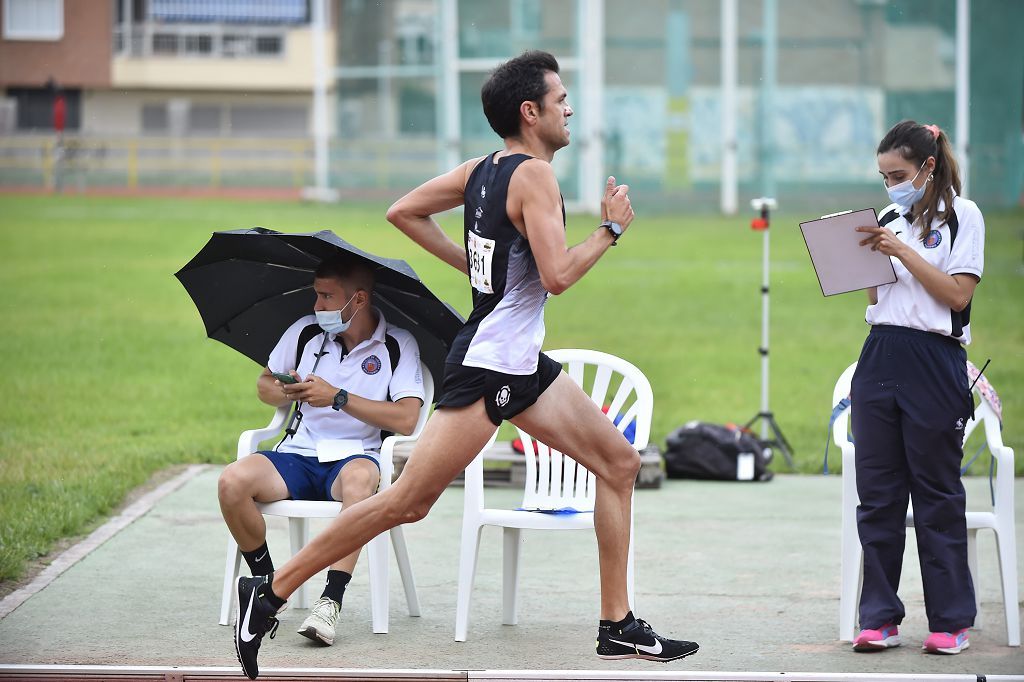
(946, 642)
(884, 637)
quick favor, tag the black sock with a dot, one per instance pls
(618, 625)
(259, 560)
(267, 592)
(336, 583)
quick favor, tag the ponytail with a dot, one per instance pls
(916, 143)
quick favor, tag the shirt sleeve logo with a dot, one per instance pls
(933, 239)
(371, 365)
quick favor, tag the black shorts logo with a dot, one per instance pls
(503, 396)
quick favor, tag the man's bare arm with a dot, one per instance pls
(535, 189)
(413, 214)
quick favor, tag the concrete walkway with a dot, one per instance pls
(750, 571)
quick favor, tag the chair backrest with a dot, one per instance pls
(428, 399)
(555, 480)
(983, 413)
(841, 425)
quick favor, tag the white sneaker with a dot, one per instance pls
(319, 625)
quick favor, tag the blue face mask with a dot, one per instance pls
(905, 195)
(330, 320)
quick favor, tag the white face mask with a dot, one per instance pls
(330, 320)
(905, 195)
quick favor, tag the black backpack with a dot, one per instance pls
(715, 452)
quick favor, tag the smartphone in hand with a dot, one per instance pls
(285, 378)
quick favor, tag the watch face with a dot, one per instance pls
(340, 400)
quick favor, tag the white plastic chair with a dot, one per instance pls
(553, 480)
(299, 512)
(1000, 519)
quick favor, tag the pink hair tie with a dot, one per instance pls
(934, 130)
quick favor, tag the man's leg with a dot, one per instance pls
(356, 481)
(243, 483)
(450, 440)
(566, 419)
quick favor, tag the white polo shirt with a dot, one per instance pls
(365, 371)
(906, 303)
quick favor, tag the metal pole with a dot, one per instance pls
(451, 119)
(321, 191)
(590, 25)
(963, 91)
(765, 278)
(729, 201)
(769, 59)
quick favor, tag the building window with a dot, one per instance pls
(35, 108)
(33, 19)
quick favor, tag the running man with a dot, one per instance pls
(515, 254)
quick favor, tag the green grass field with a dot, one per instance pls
(109, 375)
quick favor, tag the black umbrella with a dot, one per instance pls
(250, 285)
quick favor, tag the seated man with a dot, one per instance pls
(362, 379)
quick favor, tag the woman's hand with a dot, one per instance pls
(883, 239)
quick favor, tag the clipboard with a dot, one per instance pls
(840, 262)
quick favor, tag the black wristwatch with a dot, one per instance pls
(340, 399)
(614, 228)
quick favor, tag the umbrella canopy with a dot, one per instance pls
(250, 285)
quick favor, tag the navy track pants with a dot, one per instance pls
(909, 406)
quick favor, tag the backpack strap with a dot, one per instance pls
(394, 353)
(305, 336)
(308, 333)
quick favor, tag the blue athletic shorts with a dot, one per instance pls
(308, 478)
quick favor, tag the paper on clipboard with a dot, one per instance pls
(840, 262)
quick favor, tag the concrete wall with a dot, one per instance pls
(291, 72)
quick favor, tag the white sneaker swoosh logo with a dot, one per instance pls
(244, 630)
(656, 649)
(261, 557)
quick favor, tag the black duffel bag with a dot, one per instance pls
(715, 452)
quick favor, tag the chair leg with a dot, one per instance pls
(849, 591)
(513, 541)
(972, 566)
(405, 570)
(1006, 545)
(298, 533)
(227, 599)
(467, 573)
(377, 558)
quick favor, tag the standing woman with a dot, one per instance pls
(909, 394)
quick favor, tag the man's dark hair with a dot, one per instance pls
(353, 274)
(520, 79)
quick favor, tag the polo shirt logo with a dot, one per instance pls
(933, 239)
(371, 365)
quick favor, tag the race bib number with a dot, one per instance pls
(480, 252)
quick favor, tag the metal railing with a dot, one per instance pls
(387, 165)
(52, 162)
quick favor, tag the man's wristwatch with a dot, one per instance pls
(340, 399)
(614, 228)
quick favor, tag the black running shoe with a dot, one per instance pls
(638, 640)
(253, 619)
